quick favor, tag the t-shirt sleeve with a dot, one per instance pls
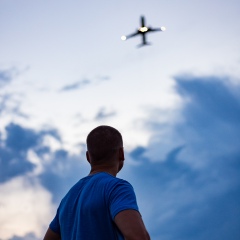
(55, 225)
(122, 198)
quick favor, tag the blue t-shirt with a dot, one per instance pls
(87, 211)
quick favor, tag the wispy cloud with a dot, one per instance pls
(10, 104)
(3, 102)
(7, 75)
(102, 78)
(18, 112)
(82, 83)
(76, 85)
(103, 114)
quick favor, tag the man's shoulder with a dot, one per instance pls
(110, 181)
(113, 179)
(101, 180)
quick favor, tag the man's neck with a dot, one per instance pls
(111, 171)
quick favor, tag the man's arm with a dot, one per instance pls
(131, 225)
(51, 235)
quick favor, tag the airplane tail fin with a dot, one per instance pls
(143, 44)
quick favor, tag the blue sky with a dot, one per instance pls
(64, 70)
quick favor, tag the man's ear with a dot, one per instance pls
(88, 157)
(121, 154)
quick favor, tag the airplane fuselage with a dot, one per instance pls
(142, 31)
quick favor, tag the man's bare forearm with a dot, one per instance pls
(50, 235)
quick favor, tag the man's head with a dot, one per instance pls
(104, 144)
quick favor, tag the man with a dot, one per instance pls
(100, 206)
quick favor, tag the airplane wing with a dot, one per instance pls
(156, 29)
(132, 35)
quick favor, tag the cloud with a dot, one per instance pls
(102, 78)
(32, 171)
(15, 147)
(82, 83)
(7, 75)
(187, 203)
(213, 115)
(103, 114)
(24, 151)
(186, 178)
(3, 102)
(62, 171)
(209, 117)
(25, 206)
(76, 85)
(28, 236)
(18, 112)
(192, 190)
(10, 105)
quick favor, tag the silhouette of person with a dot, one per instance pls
(100, 206)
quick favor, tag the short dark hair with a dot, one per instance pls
(102, 143)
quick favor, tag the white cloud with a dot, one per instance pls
(25, 206)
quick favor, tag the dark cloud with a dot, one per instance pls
(188, 203)
(76, 85)
(62, 172)
(180, 198)
(193, 192)
(29, 236)
(212, 114)
(103, 114)
(20, 139)
(14, 150)
(212, 97)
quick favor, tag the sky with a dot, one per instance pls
(65, 70)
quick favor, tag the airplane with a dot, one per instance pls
(143, 30)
